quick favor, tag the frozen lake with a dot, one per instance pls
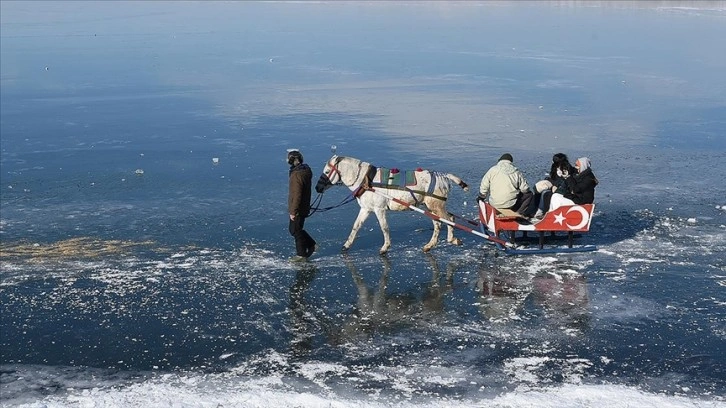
(135, 270)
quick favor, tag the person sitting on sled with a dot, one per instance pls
(560, 170)
(506, 187)
(580, 188)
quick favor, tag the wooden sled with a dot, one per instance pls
(567, 219)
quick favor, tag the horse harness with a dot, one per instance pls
(369, 183)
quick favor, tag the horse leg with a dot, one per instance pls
(450, 238)
(440, 210)
(362, 215)
(383, 222)
(438, 207)
(434, 237)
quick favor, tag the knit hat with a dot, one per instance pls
(582, 164)
(506, 156)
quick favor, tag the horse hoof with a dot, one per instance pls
(456, 241)
(344, 249)
(426, 249)
(382, 252)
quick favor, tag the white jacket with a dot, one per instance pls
(502, 183)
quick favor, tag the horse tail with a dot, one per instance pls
(458, 181)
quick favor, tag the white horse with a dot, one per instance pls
(425, 187)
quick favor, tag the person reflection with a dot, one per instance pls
(564, 298)
(502, 292)
(302, 325)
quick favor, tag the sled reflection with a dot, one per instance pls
(377, 311)
(502, 292)
(559, 296)
(563, 298)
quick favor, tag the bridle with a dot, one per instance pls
(333, 164)
(334, 169)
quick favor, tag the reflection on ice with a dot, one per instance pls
(379, 311)
(559, 294)
(303, 325)
(564, 298)
(502, 292)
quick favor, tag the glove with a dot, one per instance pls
(563, 173)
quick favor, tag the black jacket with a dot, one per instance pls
(582, 187)
(298, 198)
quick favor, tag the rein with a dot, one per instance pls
(319, 199)
(315, 207)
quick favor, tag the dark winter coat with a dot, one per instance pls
(298, 198)
(582, 187)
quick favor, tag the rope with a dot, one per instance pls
(318, 200)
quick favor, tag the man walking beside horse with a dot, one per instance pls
(298, 204)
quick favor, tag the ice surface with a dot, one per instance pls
(174, 289)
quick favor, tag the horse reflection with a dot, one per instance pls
(377, 311)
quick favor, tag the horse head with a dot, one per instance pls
(330, 175)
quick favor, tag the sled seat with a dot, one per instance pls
(506, 214)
